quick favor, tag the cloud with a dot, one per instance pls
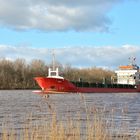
(56, 15)
(107, 56)
(28, 53)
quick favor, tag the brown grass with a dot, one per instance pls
(93, 127)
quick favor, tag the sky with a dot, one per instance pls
(82, 33)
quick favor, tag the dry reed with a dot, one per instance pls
(93, 127)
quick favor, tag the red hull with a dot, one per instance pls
(56, 85)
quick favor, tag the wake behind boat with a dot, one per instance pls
(127, 80)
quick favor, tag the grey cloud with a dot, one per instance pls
(107, 56)
(56, 15)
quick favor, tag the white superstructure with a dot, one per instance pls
(129, 74)
(54, 72)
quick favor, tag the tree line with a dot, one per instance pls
(20, 74)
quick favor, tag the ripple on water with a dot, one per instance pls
(18, 107)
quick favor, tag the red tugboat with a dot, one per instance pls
(128, 80)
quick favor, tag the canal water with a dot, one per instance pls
(17, 106)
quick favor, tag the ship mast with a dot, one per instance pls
(53, 60)
(132, 61)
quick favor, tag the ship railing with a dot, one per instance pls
(101, 85)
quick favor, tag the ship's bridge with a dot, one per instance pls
(54, 73)
(129, 74)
